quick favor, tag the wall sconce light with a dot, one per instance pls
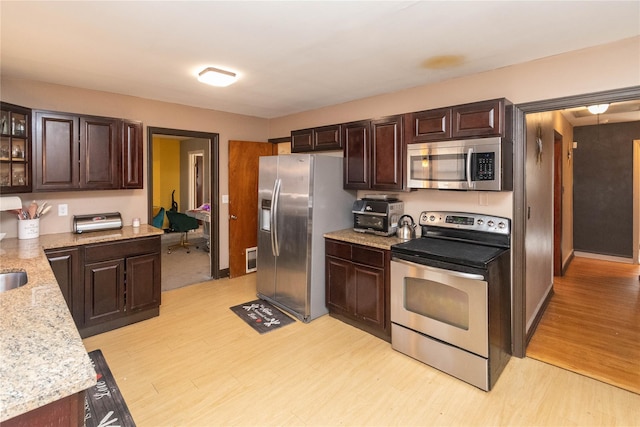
(598, 109)
(216, 77)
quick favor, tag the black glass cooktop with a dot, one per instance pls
(451, 251)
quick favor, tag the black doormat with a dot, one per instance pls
(104, 405)
(261, 315)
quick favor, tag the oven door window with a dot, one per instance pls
(439, 167)
(370, 221)
(437, 301)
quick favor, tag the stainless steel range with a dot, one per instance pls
(450, 295)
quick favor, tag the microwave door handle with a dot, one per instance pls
(469, 182)
(275, 245)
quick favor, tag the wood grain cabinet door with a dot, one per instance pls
(387, 153)
(478, 119)
(302, 140)
(131, 155)
(355, 137)
(99, 148)
(56, 151)
(430, 125)
(143, 282)
(327, 138)
(67, 268)
(104, 291)
(369, 300)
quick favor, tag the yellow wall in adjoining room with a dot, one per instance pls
(166, 173)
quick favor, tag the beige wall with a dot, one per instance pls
(601, 68)
(130, 203)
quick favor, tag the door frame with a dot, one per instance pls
(193, 155)
(214, 186)
(558, 208)
(519, 336)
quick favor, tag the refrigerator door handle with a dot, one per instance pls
(275, 244)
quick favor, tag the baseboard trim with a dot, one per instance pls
(603, 257)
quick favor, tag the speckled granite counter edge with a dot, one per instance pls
(42, 355)
(350, 236)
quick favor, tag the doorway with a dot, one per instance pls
(520, 211)
(210, 184)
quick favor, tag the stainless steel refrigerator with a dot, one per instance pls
(300, 197)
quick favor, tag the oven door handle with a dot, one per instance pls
(440, 270)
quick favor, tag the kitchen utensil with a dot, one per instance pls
(406, 229)
(32, 209)
(40, 209)
(45, 210)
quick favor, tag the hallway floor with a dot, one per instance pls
(592, 323)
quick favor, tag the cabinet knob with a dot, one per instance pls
(234, 217)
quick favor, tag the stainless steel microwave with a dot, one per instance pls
(483, 164)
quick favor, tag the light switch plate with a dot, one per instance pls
(225, 198)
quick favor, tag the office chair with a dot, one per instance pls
(182, 223)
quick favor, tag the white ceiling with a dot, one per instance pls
(290, 56)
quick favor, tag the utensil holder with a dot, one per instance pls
(29, 228)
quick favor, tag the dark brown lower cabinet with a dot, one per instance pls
(67, 267)
(66, 412)
(357, 286)
(111, 284)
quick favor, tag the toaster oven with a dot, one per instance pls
(378, 217)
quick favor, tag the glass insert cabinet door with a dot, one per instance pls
(15, 148)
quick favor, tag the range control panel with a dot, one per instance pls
(466, 221)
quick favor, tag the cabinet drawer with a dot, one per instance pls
(338, 249)
(368, 256)
(122, 249)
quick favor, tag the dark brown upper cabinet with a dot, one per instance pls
(317, 139)
(374, 154)
(132, 177)
(77, 152)
(15, 149)
(430, 125)
(357, 154)
(478, 119)
(474, 120)
(387, 153)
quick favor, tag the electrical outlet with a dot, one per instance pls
(63, 210)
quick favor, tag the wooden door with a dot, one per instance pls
(243, 200)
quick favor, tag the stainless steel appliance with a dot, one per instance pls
(450, 295)
(300, 197)
(470, 164)
(377, 216)
(97, 222)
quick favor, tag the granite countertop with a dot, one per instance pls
(42, 357)
(350, 236)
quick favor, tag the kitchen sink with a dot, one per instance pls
(12, 280)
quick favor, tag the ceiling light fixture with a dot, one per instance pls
(598, 109)
(216, 77)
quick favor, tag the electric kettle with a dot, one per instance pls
(406, 229)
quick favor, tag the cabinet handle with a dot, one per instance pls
(234, 217)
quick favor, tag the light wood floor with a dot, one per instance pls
(198, 364)
(592, 323)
